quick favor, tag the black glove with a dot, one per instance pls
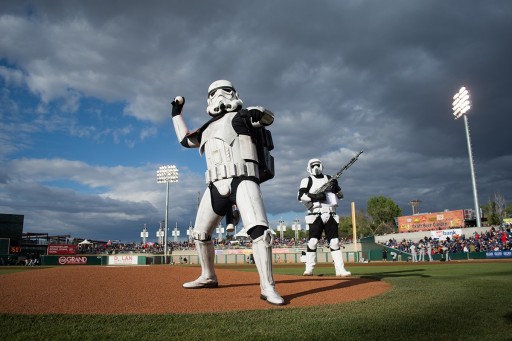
(177, 106)
(330, 188)
(251, 115)
(317, 197)
(256, 115)
(333, 187)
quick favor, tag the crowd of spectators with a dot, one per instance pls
(492, 240)
(155, 248)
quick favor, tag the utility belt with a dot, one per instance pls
(323, 209)
(312, 216)
(231, 170)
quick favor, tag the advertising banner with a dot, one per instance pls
(431, 221)
(72, 260)
(61, 249)
(234, 252)
(499, 254)
(123, 260)
(441, 235)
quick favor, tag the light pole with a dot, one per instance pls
(176, 233)
(220, 231)
(144, 234)
(166, 174)
(296, 227)
(281, 228)
(415, 204)
(189, 233)
(160, 234)
(461, 105)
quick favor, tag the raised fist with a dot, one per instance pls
(177, 105)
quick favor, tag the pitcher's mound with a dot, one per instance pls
(158, 290)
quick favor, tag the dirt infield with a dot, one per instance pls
(157, 290)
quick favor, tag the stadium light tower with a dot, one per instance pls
(296, 227)
(415, 204)
(144, 234)
(220, 231)
(281, 228)
(176, 233)
(166, 174)
(460, 106)
(189, 233)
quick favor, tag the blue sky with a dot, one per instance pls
(86, 90)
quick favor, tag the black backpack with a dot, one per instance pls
(264, 145)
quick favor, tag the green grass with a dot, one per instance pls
(454, 301)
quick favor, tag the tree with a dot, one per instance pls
(383, 212)
(290, 234)
(362, 225)
(491, 213)
(508, 211)
(501, 206)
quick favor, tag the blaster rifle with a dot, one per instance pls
(309, 204)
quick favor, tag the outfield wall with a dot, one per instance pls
(236, 256)
(365, 251)
(368, 255)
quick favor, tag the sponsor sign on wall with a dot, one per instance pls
(61, 249)
(499, 254)
(123, 260)
(431, 221)
(73, 260)
(442, 235)
(233, 252)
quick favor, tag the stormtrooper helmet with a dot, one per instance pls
(315, 167)
(222, 97)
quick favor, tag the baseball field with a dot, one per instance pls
(463, 300)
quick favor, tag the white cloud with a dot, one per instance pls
(100, 77)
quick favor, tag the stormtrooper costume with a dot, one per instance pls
(321, 216)
(232, 178)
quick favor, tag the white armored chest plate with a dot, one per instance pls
(221, 129)
(225, 158)
(330, 198)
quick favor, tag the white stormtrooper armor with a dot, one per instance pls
(315, 167)
(321, 216)
(313, 183)
(222, 97)
(232, 177)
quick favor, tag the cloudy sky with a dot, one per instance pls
(86, 88)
